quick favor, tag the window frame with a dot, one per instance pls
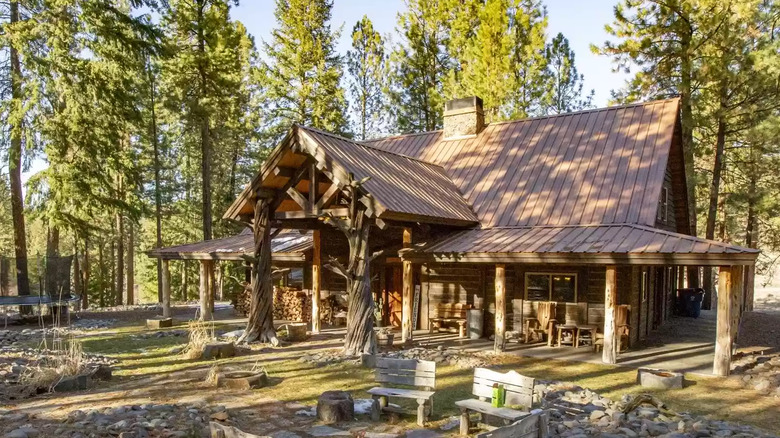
(663, 206)
(550, 285)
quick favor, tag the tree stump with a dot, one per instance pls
(217, 350)
(335, 406)
(242, 380)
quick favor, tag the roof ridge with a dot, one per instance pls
(357, 143)
(548, 116)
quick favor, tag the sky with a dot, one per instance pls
(581, 21)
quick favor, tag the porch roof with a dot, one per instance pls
(287, 246)
(582, 244)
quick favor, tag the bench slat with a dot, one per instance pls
(519, 388)
(486, 408)
(403, 393)
(412, 380)
(406, 364)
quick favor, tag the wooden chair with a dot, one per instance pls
(543, 324)
(406, 372)
(519, 392)
(623, 325)
(450, 312)
(533, 426)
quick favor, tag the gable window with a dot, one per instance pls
(543, 286)
(663, 206)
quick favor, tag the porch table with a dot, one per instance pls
(563, 328)
(591, 329)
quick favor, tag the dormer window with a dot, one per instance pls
(663, 206)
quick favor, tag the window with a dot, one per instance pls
(551, 287)
(663, 206)
(643, 286)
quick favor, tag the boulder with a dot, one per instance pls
(217, 350)
(73, 383)
(335, 406)
(660, 379)
(158, 323)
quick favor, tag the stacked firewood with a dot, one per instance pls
(291, 304)
(242, 301)
(329, 308)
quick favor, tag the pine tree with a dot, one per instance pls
(419, 66)
(301, 72)
(486, 67)
(367, 67)
(564, 93)
(528, 28)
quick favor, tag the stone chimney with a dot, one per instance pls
(463, 117)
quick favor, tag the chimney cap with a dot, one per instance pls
(471, 102)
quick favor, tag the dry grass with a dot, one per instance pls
(213, 375)
(68, 361)
(201, 333)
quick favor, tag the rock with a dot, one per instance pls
(221, 416)
(335, 406)
(220, 430)
(68, 384)
(158, 323)
(217, 350)
(595, 415)
(628, 432)
(18, 433)
(101, 372)
(327, 431)
(661, 379)
(421, 433)
(242, 379)
(451, 423)
(368, 360)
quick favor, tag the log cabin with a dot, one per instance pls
(589, 211)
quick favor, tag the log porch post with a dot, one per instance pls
(205, 286)
(498, 344)
(166, 288)
(724, 331)
(609, 354)
(407, 331)
(316, 268)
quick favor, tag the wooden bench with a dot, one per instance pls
(533, 426)
(450, 312)
(406, 372)
(519, 392)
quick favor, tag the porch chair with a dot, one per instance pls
(543, 324)
(622, 329)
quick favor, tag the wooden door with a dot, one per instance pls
(393, 294)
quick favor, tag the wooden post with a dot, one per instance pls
(750, 287)
(166, 288)
(316, 277)
(205, 285)
(498, 344)
(609, 354)
(723, 340)
(737, 296)
(406, 311)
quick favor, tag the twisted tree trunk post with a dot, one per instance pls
(260, 326)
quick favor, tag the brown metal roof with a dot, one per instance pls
(583, 243)
(287, 246)
(600, 166)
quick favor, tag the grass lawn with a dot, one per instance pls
(293, 380)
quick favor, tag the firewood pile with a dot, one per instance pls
(291, 304)
(242, 300)
(330, 307)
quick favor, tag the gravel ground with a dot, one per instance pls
(760, 329)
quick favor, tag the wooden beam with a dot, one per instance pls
(166, 288)
(750, 287)
(712, 259)
(723, 337)
(407, 331)
(609, 353)
(327, 197)
(498, 344)
(313, 183)
(284, 172)
(205, 285)
(299, 199)
(737, 296)
(336, 212)
(264, 192)
(316, 277)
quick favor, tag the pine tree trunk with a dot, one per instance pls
(52, 260)
(15, 171)
(712, 211)
(76, 269)
(686, 121)
(260, 326)
(86, 270)
(205, 135)
(103, 275)
(120, 259)
(130, 282)
(157, 189)
(185, 284)
(360, 338)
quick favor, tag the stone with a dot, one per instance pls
(660, 379)
(221, 416)
(421, 433)
(101, 372)
(628, 432)
(18, 433)
(335, 406)
(158, 323)
(368, 360)
(68, 384)
(224, 431)
(242, 379)
(595, 415)
(284, 434)
(218, 350)
(327, 431)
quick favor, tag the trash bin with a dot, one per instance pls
(689, 301)
(475, 317)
